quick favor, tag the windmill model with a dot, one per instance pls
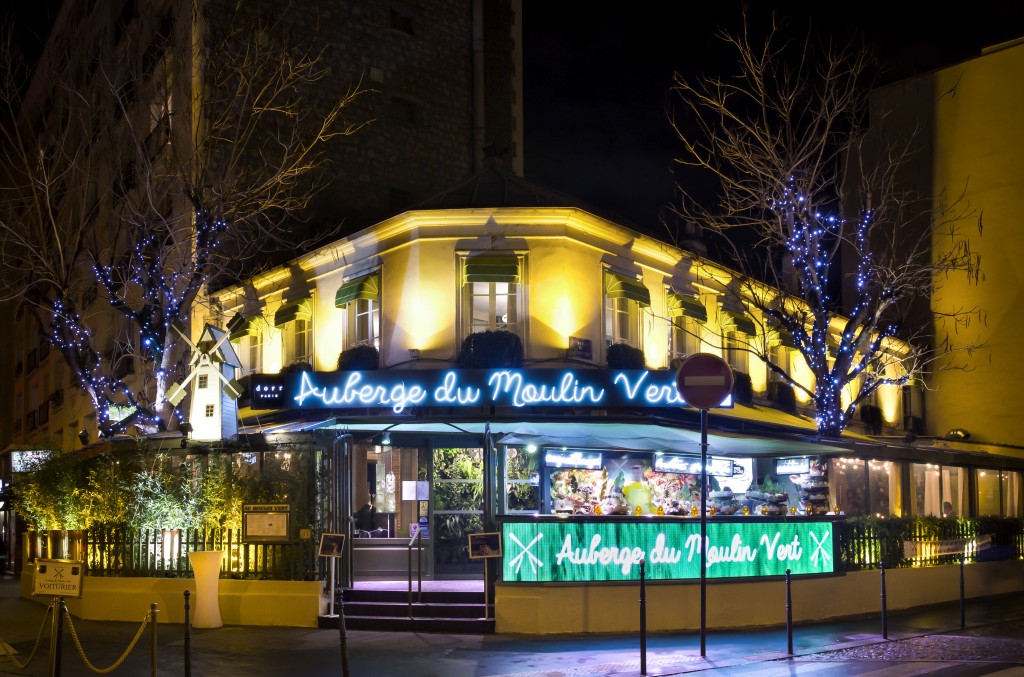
(213, 414)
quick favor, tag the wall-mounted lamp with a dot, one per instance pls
(958, 434)
(385, 439)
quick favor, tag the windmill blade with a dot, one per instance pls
(176, 393)
(180, 329)
(232, 387)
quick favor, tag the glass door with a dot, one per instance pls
(458, 493)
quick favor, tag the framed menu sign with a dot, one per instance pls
(266, 523)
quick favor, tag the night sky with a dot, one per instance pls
(596, 76)
(596, 82)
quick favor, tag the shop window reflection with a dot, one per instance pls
(848, 487)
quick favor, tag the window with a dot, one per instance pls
(999, 493)
(623, 298)
(360, 300)
(295, 319)
(296, 342)
(255, 352)
(884, 488)
(938, 491)
(209, 411)
(685, 339)
(492, 293)
(203, 380)
(735, 352)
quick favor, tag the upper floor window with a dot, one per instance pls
(248, 329)
(623, 299)
(295, 320)
(492, 293)
(738, 331)
(360, 300)
(687, 316)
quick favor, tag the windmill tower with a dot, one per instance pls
(213, 414)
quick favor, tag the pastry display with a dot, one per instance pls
(814, 490)
(723, 502)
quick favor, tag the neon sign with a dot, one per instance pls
(571, 551)
(403, 390)
(573, 459)
(690, 465)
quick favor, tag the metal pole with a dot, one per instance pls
(885, 619)
(343, 636)
(789, 615)
(703, 530)
(330, 586)
(188, 635)
(643, 620)
(152, 638)
(408, 558)
(56, 629)
(963, 607)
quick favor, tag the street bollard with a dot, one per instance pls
(963, 608)
(188, 636)
(56, 632)
(885, 619)
(341, 632)
(152, 638)
(789, 615)
(643, 620)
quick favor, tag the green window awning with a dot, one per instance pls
(240, 327)
(619, 286)
(366, 287)
(296, 310)
(740, 323)
(493, 268)
(686, 306)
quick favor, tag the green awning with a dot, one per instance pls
(620, 286)
(493, 268)
(741, 323)
(240, 327)
(366, 287)
(297, 310)
(686, 306)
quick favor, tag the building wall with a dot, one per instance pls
(972, 144)
(430, 70)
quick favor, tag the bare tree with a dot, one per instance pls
(137, 181)
(807, 202)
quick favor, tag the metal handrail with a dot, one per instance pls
(418, 540)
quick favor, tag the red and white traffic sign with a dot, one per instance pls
(704, 380)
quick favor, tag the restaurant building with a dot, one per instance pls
(461, 367)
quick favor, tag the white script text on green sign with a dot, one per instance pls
(612, 551)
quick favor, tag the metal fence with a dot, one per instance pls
(117, 551)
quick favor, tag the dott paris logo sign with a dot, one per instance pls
(402, 390)
(584, 552)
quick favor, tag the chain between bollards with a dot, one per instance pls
(789, 615)
(885, 617)
(643, 619)
(188, 635)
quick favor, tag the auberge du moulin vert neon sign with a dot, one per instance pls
(402, 390)
(571, 551)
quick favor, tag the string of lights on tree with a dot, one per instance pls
(811, 245)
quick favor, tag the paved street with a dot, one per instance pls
(922, 642)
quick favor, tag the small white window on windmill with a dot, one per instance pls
(209, 411)
(202, 381)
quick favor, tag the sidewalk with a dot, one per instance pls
(235, 650)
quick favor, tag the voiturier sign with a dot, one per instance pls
(570, 551)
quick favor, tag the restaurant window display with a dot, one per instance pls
(379, 507)
(937, 490)
(885, 496)
(592, 482)
(848, 488)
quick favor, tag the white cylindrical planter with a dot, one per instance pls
(206, 567)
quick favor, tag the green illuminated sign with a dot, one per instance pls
(611, 551)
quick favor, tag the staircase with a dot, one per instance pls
(453, 612)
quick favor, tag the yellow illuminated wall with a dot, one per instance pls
(970, 114)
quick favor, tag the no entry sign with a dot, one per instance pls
(704, 380)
